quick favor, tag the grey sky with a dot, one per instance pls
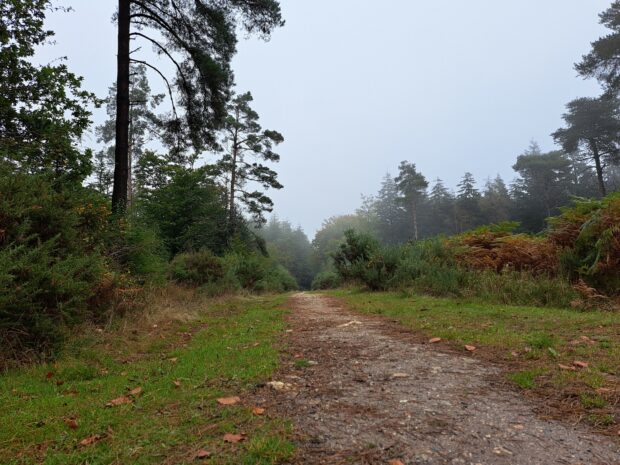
(356, 86)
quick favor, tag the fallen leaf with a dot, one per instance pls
(59, 383)
(228, 400)
(89, 441)
(604, 391)
(579, 364)
(434, 340)
(258, 410)
(470, 348)
(135, 392)
(119, 401)
(71, 423)
(173, 360)
(49, 374)
(177, 383)
(566, 367)
(202, 454)
(396, 462)
(233, 438)
(514, 354)
(553, 352)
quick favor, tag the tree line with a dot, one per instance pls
(586, 164)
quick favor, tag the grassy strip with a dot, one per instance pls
(191, 352)
(532, 342)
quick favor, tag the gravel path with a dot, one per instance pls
(370, 396)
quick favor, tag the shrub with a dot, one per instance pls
(141, 252)
(52, 270)
(589, 236)
(326, 280)
(197, 268)
(353, 253)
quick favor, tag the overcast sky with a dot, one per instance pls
(356, 86)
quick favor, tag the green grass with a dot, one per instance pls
(227, 350)
(531, 341)
(525, 379)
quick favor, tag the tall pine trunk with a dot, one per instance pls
(599, 168)
(415, 219)
(233, 183)
(121, 152)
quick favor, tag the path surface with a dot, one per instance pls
(374, 396)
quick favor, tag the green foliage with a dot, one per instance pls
(326, 280)
(256, 272)
(51, 267)
(235, 271)
(291, 248)
(353, 254)
(188, 209)
(43, 110)
(588, 235)
(432, 267)
(250, 146)
(197, 268)
(145, 257)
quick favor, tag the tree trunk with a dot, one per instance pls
(599, 168)
(233, 184)
(415, 220)
(121, 152)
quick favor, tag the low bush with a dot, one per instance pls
(588, 235)
(326, 280)
(233, 272)
(52, 269)
(197, 268)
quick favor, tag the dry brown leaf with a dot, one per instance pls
(396, 462)
(135, 392)
(228, 400)
(49, 374)
(258, 410)
(119, 401)
(59, 382)
(177, 383)
(604, 391)
(202, 454)
(579, 364)
(89, 441)
(566, 367)
(470, 348)
(173, 360)
(233, 438)
(434, 340)
(71, 423)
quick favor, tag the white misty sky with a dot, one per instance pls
(356, 86)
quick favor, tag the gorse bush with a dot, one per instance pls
(326, 280)
(52, 269)
(235, 271)
(197, 268)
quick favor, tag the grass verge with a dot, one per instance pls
(568, 357)
(167, 369)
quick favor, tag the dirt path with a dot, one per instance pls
(373, 396)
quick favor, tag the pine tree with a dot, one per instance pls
(412, 188)
(248, 145)
(199, 39)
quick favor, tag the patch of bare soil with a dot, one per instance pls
(370, 396)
